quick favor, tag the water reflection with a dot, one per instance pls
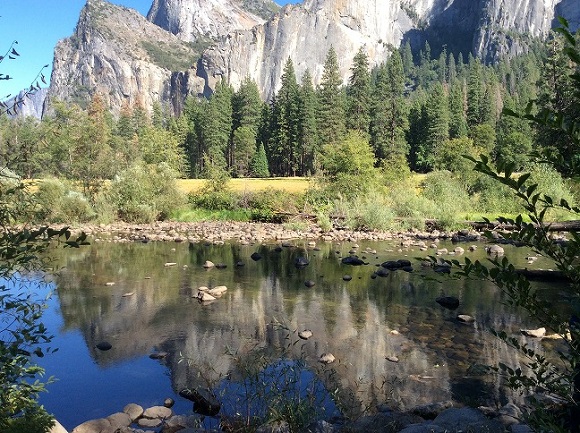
(128, 296)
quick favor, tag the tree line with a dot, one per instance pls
(417, 112)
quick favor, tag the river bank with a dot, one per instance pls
(250, 232)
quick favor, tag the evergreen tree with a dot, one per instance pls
(407, 58)
(417, 132)
(358, 94)
(457, 118)
(246, 111)
(390, 113)
(283, 146)
(215, 128)
(307, 133)
(559, 94)
(244, 145)
(247, 105)
(259, 163)
(474, 93)
(330, 110)
(437, 126)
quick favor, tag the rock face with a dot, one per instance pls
(187, 46)
(193, 20)
(118, 53)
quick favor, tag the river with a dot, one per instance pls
(139, 297)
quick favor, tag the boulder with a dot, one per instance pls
(256, 256)
(205, 297)
(305, 335)
(158, 412)
(347, 277)
(119, 420)
(309, 283)
(494, 250)
(217, 291)
(208, 264)
(134, 411)
(467, 419)
(94, 426)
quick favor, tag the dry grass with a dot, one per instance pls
(287, 184)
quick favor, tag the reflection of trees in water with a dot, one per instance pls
(353, 320)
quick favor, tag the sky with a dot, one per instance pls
(38, 25)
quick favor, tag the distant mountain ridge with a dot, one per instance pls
(186, 46)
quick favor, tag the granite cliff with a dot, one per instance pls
(186, 46)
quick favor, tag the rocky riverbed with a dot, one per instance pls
(433, 418)
(247, 232)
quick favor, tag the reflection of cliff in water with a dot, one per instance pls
(150, 307)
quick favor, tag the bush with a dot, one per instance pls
(145, 193)
(449, 197)
(370, 212)
(58, 203)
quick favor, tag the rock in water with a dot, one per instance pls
(208, 264)
(256, 256)
(536, 333)
(353, 261)
(305, 335)
(104, 345)
(449, 302)
(301, 262)
(309, 283)
(204, 402)
(327, 358)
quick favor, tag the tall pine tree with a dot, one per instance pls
(358, 94)
(331, 114)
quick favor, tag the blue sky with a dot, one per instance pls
(37, 25)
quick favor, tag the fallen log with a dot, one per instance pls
(543, 275)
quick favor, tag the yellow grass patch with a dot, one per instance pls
(287, 184)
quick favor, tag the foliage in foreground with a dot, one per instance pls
(554, 386)
(22, 334)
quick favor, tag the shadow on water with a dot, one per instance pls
(140, 299)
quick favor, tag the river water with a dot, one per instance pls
(130, 296)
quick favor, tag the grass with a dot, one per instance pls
(288, 184)
(199, 215)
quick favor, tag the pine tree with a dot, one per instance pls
(437, 126)
(259, 163)
(247, 105)
(330, 114)
(358, 94)
(390, 114)
(283, 144)
(307, 133)
(215, 129)
(474, 93)
(457, 117)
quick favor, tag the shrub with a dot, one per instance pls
(145, 193)
(370, 212)
(449, 197)
(58, 203)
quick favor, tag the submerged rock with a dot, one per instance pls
(449, 302)
(104, 346)
(204, 402)
(327, 358)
